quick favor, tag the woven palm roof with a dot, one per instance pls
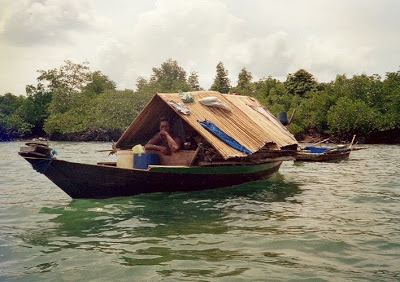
(249, 123)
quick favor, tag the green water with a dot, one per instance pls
(311, 221)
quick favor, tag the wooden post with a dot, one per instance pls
(321, 141)
(291, 117)
(194, 156)
(351, 144)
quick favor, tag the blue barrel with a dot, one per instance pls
(142, 161)
(283, 118)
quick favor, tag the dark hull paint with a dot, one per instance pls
(98, 181)
(315, 157)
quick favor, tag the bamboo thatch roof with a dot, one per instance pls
(249, 122)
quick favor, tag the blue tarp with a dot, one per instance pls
(313, 149)
(223, 136)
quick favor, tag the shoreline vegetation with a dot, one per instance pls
(100, 135)
(73, 103)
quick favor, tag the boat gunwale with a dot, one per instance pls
(217, 168)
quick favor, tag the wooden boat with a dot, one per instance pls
(324, 154)
(320, 154)
(209, 163)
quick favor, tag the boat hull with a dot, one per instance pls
(80, 180)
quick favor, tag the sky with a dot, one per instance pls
(125, 39)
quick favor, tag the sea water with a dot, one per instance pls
(311, 221)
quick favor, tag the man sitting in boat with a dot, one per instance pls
(164, 141)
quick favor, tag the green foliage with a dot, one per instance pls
(12, 123)
(193, 81)
(170, 77)
(273, 94)
(76, 94)
(221, 81)
(117, 109)
(382, 97)
(98, 105)
(358, 105)
(244, 79)
(68, 122)
(9, 103)
(313, 109)
(266, 86)
(110, 110)
(14, 126)
(99, 83)
(66, 85)
(244, 84)
(71, 77)
(35, 111)
(367, 89)
(351, 116)
(294, 128)
(390, 108)
(62, 100)
(300, 83)
(73, 99)
(146, 88)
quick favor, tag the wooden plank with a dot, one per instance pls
(194, 156)
(180, 158)
(108, 163)
(243, 163)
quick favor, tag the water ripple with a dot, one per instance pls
(311, 221)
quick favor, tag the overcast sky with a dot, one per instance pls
(125, 39)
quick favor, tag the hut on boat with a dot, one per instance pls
(253, 129)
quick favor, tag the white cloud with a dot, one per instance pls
(329, 58)
(127, 38)
(198, 34)
(116, 61)
(33, 22)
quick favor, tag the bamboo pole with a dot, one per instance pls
(322, 141)
(351, 144)
(291, 117)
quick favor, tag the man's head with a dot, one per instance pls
(165, 124)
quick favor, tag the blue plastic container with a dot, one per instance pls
(283, 118)
(313, 149)
(142, 161)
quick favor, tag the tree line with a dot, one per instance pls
(74, 103)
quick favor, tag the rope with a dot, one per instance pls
(42, 165)
(13, 156)
(9, 156)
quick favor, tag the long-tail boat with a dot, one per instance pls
(228, 140)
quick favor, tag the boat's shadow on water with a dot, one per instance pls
(155, 216)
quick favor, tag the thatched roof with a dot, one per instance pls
(249, 122)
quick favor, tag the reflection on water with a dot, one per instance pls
(321, 221)
(158, 215)
(154, 229)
